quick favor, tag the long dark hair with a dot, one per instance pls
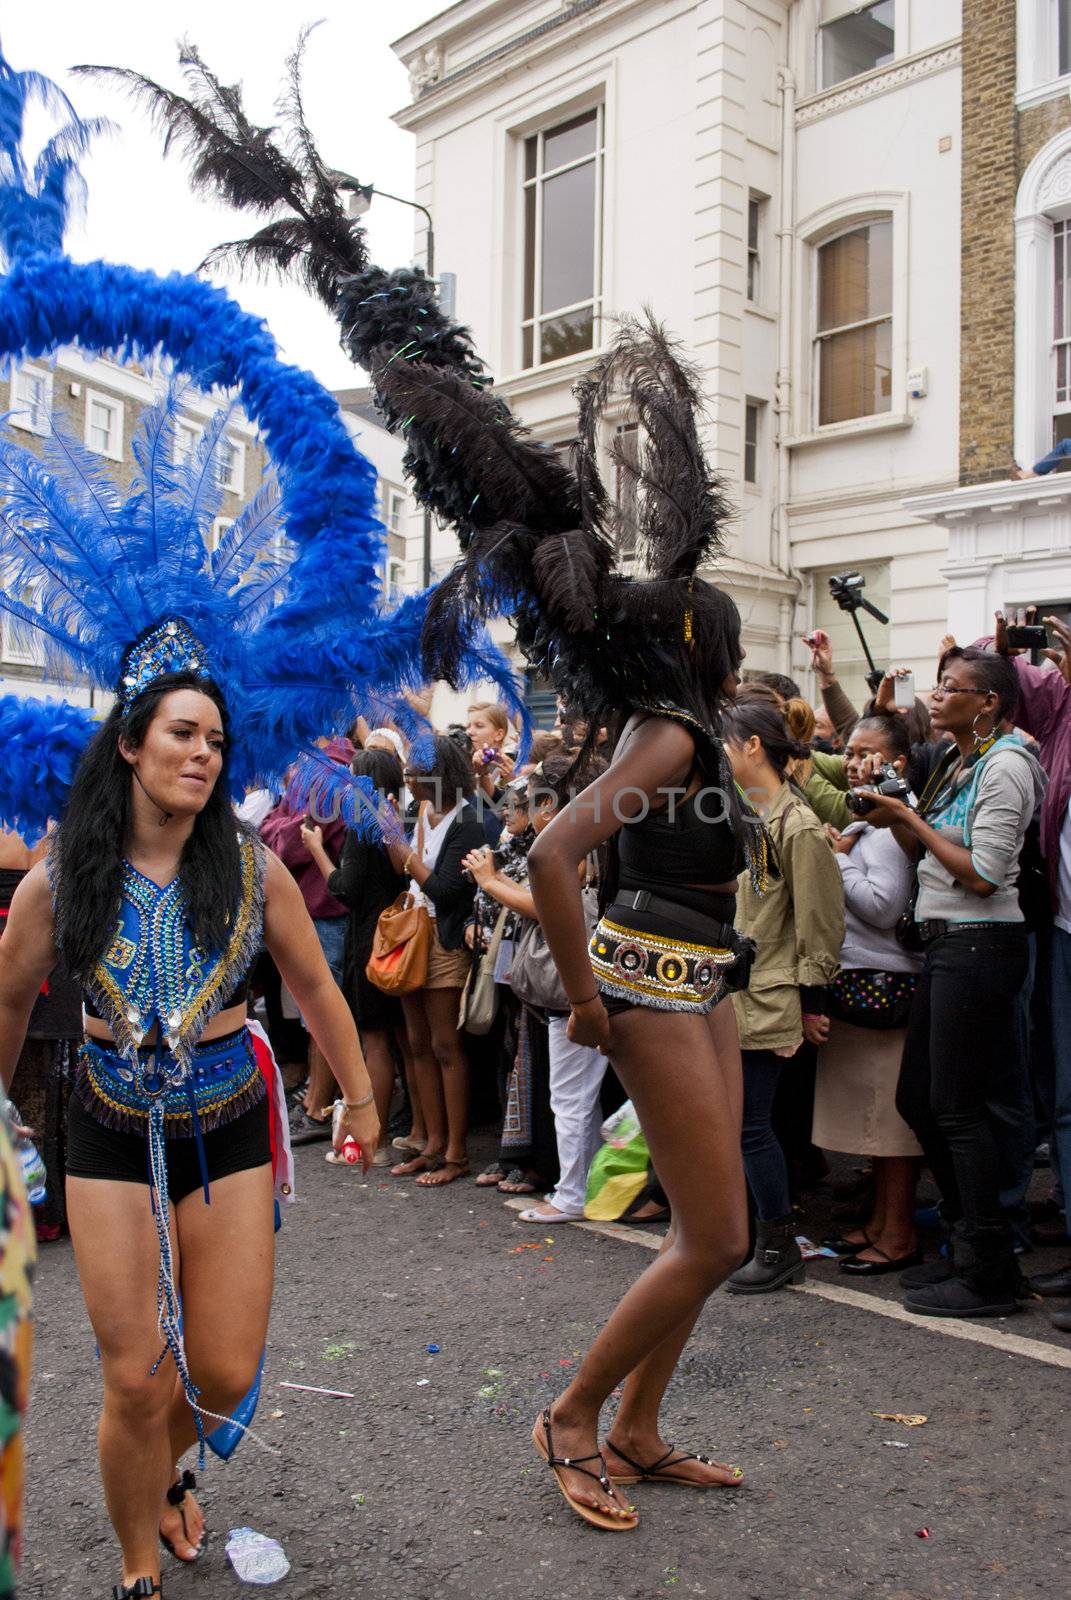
(442, 764)
(90, 842)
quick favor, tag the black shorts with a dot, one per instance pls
(94, 1151)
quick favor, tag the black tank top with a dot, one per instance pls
(689, 842)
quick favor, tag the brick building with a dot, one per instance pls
(101, 402)
(1009, 541)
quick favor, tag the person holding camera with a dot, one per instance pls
(870, 1000)
(797, 924)
(961, 1041)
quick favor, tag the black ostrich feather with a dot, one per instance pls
(471, 460)
(248, 166)
(680, 506)
(401, 310)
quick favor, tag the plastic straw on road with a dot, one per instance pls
(311, 1388)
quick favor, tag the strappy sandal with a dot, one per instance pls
(431, 1180)
(176, 1497)
(660, 1471)
(491, 1176)
(140, 1589)
(516, 1181)
(417, 1163)
(597, 1519)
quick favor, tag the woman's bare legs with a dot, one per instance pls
(635, 1427)
(427, 1080)
(231, 1240)
(322, 1089)
(117, 1254)
(418, 1133)
(892, 1225)
(690, 1113)
(442, 1008)
(375, 1042)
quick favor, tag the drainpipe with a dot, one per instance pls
(781, 552)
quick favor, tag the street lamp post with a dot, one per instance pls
(358, 200)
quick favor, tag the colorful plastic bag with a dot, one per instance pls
(618, 1174)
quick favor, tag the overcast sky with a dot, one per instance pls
(140, 209)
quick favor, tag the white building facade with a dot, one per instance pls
(779, 181)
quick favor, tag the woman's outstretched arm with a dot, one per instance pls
(27, 956)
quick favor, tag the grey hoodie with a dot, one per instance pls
(989, 813)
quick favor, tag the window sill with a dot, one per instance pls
(857, 428)
(758, 310)
(528, 380)
(1054, 89)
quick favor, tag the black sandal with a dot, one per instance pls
(140, 1589)
(660, 1471)
(175, 1497)
(598, 1519)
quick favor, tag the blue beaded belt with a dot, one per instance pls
(222, 1082)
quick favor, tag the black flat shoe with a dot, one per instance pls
(140, 1589)
(847, 1247)
(856, 1268)
(1051, 1285)
(176, 1497)
(958, 1298)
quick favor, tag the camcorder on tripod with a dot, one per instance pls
(847, 590)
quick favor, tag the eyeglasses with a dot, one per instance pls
(940, 690)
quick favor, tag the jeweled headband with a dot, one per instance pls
(168, 646)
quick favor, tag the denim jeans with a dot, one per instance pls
(764, 1159)
(1061, 1046)
(962, 1060)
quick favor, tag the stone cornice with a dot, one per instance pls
(1021, 497)
(881, 81)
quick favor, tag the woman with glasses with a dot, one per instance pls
(961, 1044)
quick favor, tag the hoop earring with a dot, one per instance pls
(980, 738)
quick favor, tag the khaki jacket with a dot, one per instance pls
(798, 926)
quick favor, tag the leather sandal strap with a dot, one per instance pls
(179, 1490)
(140, 1589)
(572, 1463)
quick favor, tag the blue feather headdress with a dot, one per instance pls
(286, 614)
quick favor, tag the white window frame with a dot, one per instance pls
(184, 428)
(754, 275)
(14, 654)
(393, 509)
(751, 404)
(114, 451)
(234, 482)
(1044, 198)
(395, 575)
(20, 417)
(832, 11)
(545, 125)
(818, 229)
(1038, 76)
(218, 529)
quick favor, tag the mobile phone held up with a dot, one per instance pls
(1027, 637)
(904, 691)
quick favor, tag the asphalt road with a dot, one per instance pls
(426, 1487)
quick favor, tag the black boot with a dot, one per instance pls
(927, 1273)
(1053, 1284)
(986, 1281)
(777, 1259)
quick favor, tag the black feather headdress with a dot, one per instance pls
(538, 540)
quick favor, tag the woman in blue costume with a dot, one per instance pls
(224, 663)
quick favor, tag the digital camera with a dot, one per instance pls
(888, 782)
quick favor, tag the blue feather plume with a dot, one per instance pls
(42, 742)
(328, 791)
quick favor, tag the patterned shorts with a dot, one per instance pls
(666, 974)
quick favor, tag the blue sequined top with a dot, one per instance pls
(154, 970)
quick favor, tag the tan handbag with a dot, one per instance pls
(479, 1001)
(399, 960)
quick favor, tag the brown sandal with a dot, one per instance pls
(661, 1471)
(431, 1179)
(597, 1519)
(419, 1163)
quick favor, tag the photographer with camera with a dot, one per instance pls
(961, 1042)
(870, 1000)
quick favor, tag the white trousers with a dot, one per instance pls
(576, 1074)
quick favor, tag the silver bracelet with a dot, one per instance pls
(355, 1105)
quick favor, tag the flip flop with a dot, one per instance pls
(660, 1471)
(491, 1176)
(406, 1144)
(432, 1180)
(176, 1495)
(515, 1182)
(598, 1519)
(418, 1163)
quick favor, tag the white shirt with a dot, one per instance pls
(1063, 880)
(429, 854)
